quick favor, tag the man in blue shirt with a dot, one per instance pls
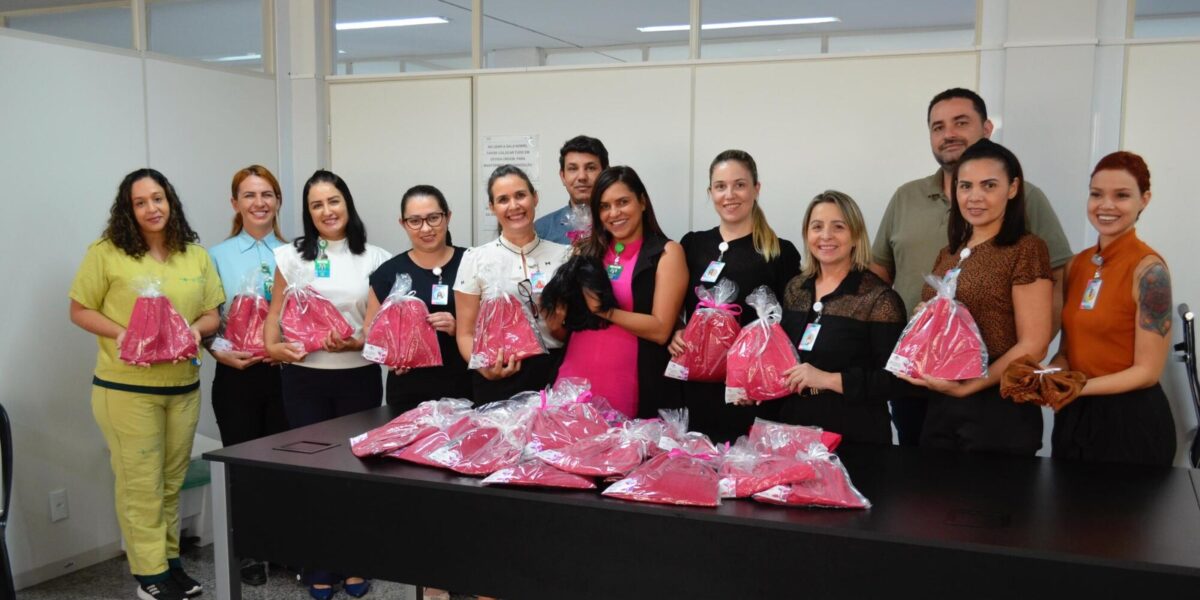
(580, 161)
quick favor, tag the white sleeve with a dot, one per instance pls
(468, 281)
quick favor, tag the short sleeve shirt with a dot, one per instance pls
(511, 265)
(346, 287)
(986, 281)
(242, 255)
(109, 281)
(914, 225)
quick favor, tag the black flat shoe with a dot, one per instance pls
(254, 573)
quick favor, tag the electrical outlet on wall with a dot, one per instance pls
(59, 509)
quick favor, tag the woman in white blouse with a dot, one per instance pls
(524, 262)
(334, 255)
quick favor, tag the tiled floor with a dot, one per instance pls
(110, 580)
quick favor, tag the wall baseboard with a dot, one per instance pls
(66, 565)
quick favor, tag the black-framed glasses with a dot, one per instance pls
(525, 291)
(433, 219)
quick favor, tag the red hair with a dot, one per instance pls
(265, 174)
(1130, 163)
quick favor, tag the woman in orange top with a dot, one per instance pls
(1116, 329)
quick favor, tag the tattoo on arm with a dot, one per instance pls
(1154, 306)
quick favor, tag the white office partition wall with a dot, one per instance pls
(389, 136)
(853, 124)
(78, 117)
(1161, 125)
(204, 125)
(642, 115)
(68, 141)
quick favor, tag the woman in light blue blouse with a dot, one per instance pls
(246, 396)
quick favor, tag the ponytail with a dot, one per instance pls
(766, 243)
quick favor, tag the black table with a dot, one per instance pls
(943, 524)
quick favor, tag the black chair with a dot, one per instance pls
(1187, 350)
(6, 586)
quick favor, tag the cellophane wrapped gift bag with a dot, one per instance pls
(829, 488)
(156, 332)
(942, 339)
(709, 335)
(504, 322)
(761, 354)
(400, 335)
(308, 317)
(245, 316)
(425, 419)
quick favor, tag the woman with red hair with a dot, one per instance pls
(1116, 329)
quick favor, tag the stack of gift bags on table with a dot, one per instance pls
(566, 437)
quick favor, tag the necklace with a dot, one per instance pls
(614, 269)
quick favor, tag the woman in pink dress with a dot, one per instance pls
(625, 361)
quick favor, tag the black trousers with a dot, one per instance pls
(536, 373)
(406, 391)
(315, 395)
(248, 404)
(908, 415)
(1133, 427)
(982, 422)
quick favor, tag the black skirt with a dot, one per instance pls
(855, 421)
(982, 422)
(1133, 427)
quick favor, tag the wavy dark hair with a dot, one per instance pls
(123, 230)
(958, 232)
(429, 191)
(596, 244)
(356, 232)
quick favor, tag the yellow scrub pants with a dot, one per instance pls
(150, 440)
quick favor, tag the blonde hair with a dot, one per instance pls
(860, 257)
(766, 243)
(265, 173)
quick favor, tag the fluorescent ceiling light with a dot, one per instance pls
(237, 58)
(391, 23)
(740, 24)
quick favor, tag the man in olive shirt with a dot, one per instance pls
(913, 229)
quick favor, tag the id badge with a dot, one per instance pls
(712, 272)
(322, 265)
(267, 290)
(614, 271)
(809, 339)
(538, 281)
(440, 296)
(1091, 294)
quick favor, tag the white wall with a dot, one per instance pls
(76, 119)
(394, 135)
(814, 125)
(1161, 125)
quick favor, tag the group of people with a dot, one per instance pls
(1019, 281)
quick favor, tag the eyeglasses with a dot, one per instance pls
(433, 219)
(525, 290)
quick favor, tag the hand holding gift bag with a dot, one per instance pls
(308, 317)
(400, 335)
(505, 322)
(245, 317)
(761, 354)
(156, 333)
(942, 339)
(709, 335)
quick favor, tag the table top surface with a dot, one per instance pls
(1145, 518)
